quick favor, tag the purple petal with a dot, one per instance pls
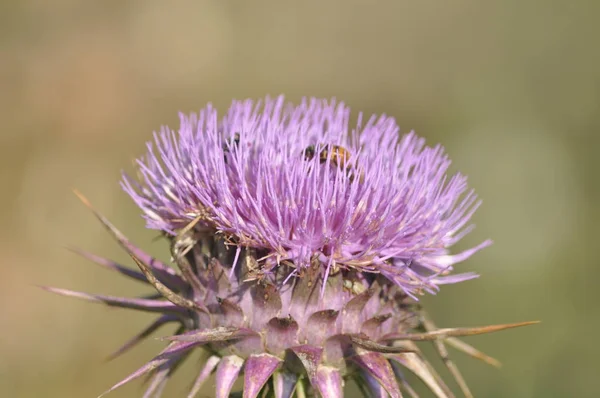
(257, 370)
(227, 371)
(383, 202)
(449, 279)
(378, 367)
(447, 260)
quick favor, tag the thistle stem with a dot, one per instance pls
(300, 392)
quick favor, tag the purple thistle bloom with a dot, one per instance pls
(299, 185)
(299, 247)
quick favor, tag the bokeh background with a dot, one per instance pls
(511, 89)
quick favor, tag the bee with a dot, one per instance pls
(309, 152)
(230, 143)
(233, 141)
(338, 157)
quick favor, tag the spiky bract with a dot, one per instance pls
(283, 337)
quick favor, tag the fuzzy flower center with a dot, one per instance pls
(303, 189)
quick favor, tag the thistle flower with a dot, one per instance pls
(300, 246)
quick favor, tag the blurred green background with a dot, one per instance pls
(511, 89)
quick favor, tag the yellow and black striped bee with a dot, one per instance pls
(338, 156)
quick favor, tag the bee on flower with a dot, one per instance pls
(300, 247)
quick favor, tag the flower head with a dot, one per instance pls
(298, 244)
(300, 186)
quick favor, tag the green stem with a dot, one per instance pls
(300, 393)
